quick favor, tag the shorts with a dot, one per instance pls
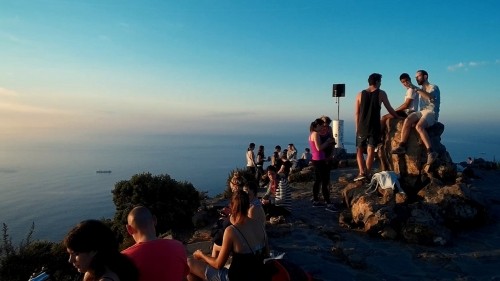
(212, 274)
(368, 140)
(428, 115)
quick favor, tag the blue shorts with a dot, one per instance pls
(212, 274)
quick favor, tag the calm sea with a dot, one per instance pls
(56, 186)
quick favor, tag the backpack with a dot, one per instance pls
(284, 270)
(384, 180)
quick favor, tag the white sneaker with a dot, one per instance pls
(331, 208)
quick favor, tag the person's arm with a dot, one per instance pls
(423, 93)
(251, 212)
(219, 261)
(387, 104)
(356, 110)
(282, 168)
(317, 142)
(408, 100)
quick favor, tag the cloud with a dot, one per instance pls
(7, 93)
(471, 64)
(456, 66)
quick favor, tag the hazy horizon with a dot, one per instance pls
(78, 70)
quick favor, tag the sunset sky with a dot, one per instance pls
(93, 69)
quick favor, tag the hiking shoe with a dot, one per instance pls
(399, 150)
(331, 208)
(274, 220)
(431, 157)
(318, 204)
(360, 177)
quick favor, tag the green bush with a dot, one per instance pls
(174, 203)
(18, 263)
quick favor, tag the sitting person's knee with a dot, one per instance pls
(190, 261)
(420, 127)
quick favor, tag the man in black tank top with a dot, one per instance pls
(367, 118)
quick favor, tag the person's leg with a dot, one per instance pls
(361, 143)
(408, 123)
(361, 160)
(278, 211)
(196, 269)
(325, 183)
(317, 179)
(427, 120)
(369, 159)
(383, 122)
(421, 128)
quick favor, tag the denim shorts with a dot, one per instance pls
(212, 274)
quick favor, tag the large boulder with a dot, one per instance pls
(433, 204)
(412, 167)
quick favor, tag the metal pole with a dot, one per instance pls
(338, 108)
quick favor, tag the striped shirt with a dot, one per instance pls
(284, 195)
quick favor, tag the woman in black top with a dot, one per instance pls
(245, 239)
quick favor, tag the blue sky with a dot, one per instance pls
(88, 70)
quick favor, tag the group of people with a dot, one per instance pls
(93, 250)
(284, 161)
(322, 144)
(420, 109)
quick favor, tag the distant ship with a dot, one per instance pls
(103, 171)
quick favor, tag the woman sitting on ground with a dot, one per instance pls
(255, 210)
(247, 241)
(93, 250)
(278, 199)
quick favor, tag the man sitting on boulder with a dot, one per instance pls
(426, 117)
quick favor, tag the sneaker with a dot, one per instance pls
(274, 220)
(318, 204)
(399, 150)
(331, 208)
(431, 157)
(360, 177)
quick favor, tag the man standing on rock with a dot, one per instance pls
(427, 116)
(367, 117)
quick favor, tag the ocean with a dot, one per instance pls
(56, 186)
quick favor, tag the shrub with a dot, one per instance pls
(174, 203)
(18, 263)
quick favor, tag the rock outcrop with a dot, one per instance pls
(431, 204)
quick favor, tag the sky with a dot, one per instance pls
(92, 70)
